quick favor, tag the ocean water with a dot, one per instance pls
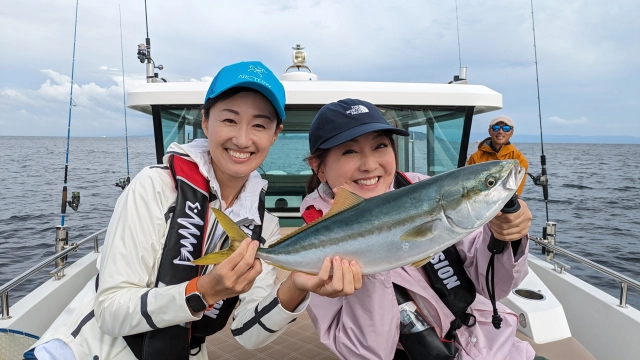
(593, 191)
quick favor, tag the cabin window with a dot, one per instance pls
(432, 148)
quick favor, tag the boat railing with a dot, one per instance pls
(551, 249)
(57, 273)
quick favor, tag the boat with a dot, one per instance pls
(562, 316)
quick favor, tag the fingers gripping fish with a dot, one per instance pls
(401, 227)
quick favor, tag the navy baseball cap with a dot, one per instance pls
(251, 74)
(346, 119)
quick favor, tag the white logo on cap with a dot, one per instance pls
(357, 109)
(257, 69)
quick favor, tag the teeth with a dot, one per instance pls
(239, 155)
(368, 181)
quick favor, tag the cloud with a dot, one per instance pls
(584, 49)
(98, 108)
(566, 122)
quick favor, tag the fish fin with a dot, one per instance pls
(286, 268)
(420, 232)
(344, 200)
(236, 235)
(420, 263)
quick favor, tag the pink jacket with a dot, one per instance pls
(365, 325)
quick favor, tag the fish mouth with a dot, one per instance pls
(515, 176)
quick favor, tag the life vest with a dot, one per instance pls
(445, 272)
(185, 242)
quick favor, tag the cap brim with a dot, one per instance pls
(267, 92)
(360, 130)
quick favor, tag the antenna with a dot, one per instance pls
(123, 182)
(458, 31)
(144, 54)
(462, 75)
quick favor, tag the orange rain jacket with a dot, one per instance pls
(486, 153)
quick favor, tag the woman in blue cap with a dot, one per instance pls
(149, 301)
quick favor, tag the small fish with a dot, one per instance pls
(401, 227)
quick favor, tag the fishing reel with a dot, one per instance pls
(539, 180)
(75, 200)
(123, 182)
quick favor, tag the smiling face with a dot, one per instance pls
(241, 130)
(365, 165)
(500, 138)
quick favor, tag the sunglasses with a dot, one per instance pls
(505, 128)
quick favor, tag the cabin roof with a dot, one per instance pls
(323, 92)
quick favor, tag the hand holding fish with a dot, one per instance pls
(511, 227)
(344, 280)
(233, 276)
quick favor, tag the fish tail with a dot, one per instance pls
(236, 235)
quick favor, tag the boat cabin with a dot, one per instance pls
(438, 117)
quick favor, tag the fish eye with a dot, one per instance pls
(490, 181)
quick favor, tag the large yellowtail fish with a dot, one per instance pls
(405, 226)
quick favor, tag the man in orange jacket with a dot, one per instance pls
(498, 147)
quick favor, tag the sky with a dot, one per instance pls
(587, 54)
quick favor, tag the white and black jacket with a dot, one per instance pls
(127, 302)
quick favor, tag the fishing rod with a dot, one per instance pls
(549, 230)
(75, 196)
(124, 182)
(542, 179)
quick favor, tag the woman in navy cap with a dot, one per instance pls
(149, 301)
(352, 145)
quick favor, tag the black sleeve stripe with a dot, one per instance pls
(170, 211)
(145, 313)
(163, 167)
(256, 319)
(83, 322)
(177, 153)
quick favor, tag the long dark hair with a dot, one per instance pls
(228, 94)
(321, 156)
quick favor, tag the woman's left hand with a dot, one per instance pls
(511, 227)
(345, 279)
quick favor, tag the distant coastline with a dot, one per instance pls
(475, 137)
(566, 139)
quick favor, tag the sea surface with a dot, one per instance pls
(594, 197)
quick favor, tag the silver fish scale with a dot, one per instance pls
(455, 203)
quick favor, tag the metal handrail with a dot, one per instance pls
(4, 289)
(624, 280)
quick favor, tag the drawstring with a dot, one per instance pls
(496, 319)
(496, 246)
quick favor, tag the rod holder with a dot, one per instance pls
(549, 234)
(623, 294)
(5, 306)
(62, 241)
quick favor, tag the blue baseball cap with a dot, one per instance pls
(346, 119)
(251, 74)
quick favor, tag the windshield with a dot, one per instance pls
(432, 148)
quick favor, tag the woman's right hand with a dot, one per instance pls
(234, 276)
